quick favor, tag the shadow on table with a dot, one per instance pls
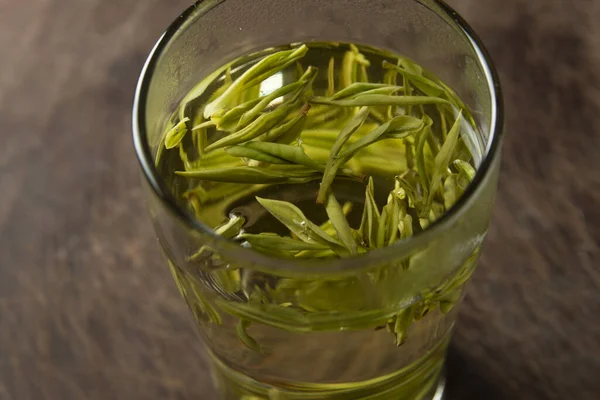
(465, 381)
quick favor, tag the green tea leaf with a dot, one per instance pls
(394, 216)
(436, 211)
(449, 300)
(380, 100)
(385, 90)
(272, 314)
(261, 125)
(295, 88)
(228, 230)
(465, 168)
(287, 132)
(387, 231)
(443, 122)
(274, 153)
(458, 103)
(409, 151)
(396, 128)
(227, 280)
(411, 66)
(315, 254)
(443, 158)
(331, 168)
(232, 227)
(200, 89)
(402, 322)
(383, 226)
(199, 139)
(338, 219)
(451, 191)
(291, 216)
(363, 74)
(409, 182)
(331, 77)
(228, 120)
(298, 70)
(405, 227)
(245, 338)
(390, 77)
(247, 152)
(348, 130)
(266, 67)
(370, 221)
(426, 86)
(356, 89)
(325, 117)
(252, 93)
(327, 226)
(349, 70)
(359, 58)
(252, 175)
(184, 157)
(176, 135)
(420, 153)
(272, 240)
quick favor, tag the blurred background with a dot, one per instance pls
(88, 309)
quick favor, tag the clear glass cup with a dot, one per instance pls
(346, 353)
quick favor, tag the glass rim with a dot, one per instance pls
(323, 266)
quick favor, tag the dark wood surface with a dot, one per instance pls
(87, 307)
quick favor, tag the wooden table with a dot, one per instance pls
(87, 307)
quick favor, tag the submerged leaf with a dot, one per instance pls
(331, 77)
(254, 175)
(443, 158)
(291, 216)
(287, 132)
(451, 191)
(370, 219)
(427, 86)
(420, 153)
(245, 338)
(228, 230)
(396, 128)
(338, 219)
(274, 241)
(380, 100)
(465, 168)
(327, 226)
(406, 227)
(274, 153)
(266, 67)
(295, 88)
(228, 121)
(332, 167)
(401, 323)
(356, 89)
(261, 125)
(176, 135)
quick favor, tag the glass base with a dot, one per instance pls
(423, 380)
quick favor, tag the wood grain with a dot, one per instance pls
(87, 308)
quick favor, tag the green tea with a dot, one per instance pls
(320, 151)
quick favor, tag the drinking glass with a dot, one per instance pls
(272, 350)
